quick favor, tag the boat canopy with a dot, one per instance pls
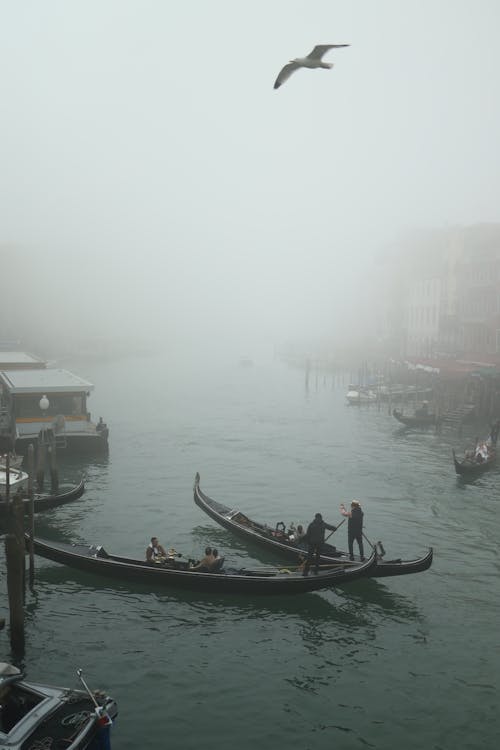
(43, 381)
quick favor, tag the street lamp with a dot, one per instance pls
(44, 403)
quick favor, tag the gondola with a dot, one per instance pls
(42, 501)
(471, 467)
(278, 540)
(34, 715)
(480, 458)
(415, 420)
(176, 573)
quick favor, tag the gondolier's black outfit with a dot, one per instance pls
(354, 528)
(315, 538)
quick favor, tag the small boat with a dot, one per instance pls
(421, 418)
(360, 395)
(66, 494)
(480, 458)
(279, 540)
(177, 574)
(472, 465)
(34, 715)
(18, 479)
(15, 462)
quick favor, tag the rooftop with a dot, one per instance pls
(7, 359)
(43, 381)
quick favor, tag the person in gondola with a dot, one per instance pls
(354, 528)
(315, 537)
(155, 552)
(206, 563)
(299, 534)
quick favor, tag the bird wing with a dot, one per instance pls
(320, 50)
(285, 74)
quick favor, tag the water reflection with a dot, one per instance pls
(381, 600)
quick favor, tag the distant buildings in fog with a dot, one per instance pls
(440, 294)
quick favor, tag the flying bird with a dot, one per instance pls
(313, 60)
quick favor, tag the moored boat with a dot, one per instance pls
(51, 405)
(34, 715)
(360, 395)
(66, 494)
(177, 573)
(18, 480)
(277, 539)
(421, 418)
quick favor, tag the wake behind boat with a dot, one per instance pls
(176, 573)
(279, 540)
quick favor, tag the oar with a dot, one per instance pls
(371, 545)
(333, 532)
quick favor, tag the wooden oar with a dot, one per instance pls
(333, 532)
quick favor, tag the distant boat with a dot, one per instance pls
(421, 417)
(480, 458)
(246, 362)
(360, 395)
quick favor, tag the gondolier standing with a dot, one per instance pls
(315, 537)
(354, 527)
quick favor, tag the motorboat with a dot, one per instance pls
(35, 715)
(18, 480)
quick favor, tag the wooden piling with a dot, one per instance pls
(14, 552)
(54, 477)
(40, 471)
(31, 517)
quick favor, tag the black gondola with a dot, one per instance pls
(176, 573)
(277, 539)
(471, 467)
(480, 458)
(42, 501)
(416, 420)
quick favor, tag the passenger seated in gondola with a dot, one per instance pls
(206, 563)
(279, 531)
(297, 536)
(155, 553)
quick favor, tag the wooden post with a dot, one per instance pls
(40, 472)
(14, 552)
(54, 478)
(31, 495)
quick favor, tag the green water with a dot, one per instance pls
(409, 662)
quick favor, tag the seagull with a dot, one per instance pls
(313, 60)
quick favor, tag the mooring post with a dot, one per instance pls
(54, 478)
(14, 553)
(31, 526)
(40, 471)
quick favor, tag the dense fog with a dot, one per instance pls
(155, 188)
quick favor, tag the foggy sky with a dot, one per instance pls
(153, 181)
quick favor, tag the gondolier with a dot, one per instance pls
(354, 527)
(315, 536)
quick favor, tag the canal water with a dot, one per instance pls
(407, 662)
